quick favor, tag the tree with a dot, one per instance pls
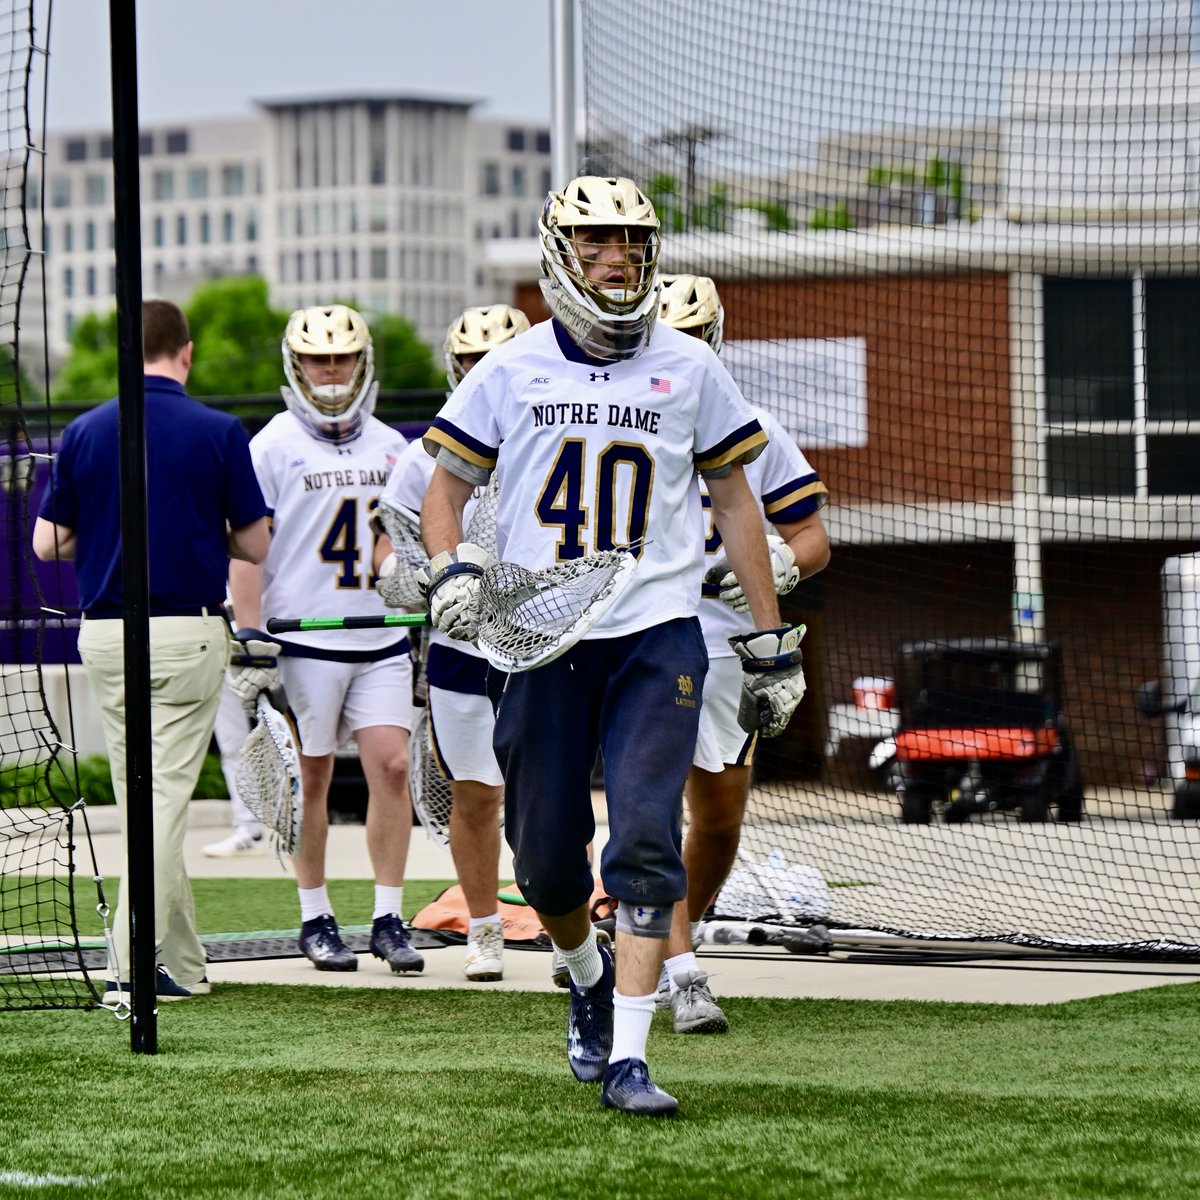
(238, 336)
(402, 360)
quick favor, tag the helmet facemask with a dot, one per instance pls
(477, 331)
(690, 303)
(600, 247)
(333, 412)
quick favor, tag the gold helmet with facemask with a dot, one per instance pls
(477, 331)
(608, 319)
(334, 412)
(691, 303)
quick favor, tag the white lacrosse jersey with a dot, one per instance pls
(787, 489)
(321, 497)
(596, 456)
(407, 486)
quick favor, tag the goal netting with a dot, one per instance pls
(41, 957)
(957, 246)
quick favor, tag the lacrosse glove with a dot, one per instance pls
(772, 678)
(451, 586)
(254, 668)
(783, 569)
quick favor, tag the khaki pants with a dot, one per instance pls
(188, 656)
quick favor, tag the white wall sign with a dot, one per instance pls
(817, 387)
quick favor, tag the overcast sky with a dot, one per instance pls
(204, 58)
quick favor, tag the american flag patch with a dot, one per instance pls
(660, 385)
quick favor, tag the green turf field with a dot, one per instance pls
(307, 1092)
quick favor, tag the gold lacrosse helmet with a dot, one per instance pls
(334, 412)
(691, 303)
(476, 332)
(608, 318)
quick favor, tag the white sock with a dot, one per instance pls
(388, 900)
(314, 902)
(677, 965)
(584, 961)
(631, 1026)
(474, 923)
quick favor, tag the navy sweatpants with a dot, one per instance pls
(636, 697)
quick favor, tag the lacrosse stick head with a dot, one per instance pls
(528, 618)
(430, 790)
(481, 527)
(268, 777)
(403, 528)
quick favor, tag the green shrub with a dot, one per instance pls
(43, 785)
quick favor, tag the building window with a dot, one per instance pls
(517, 181)
(60, 192)
(545, 180)
(515, 139)
(177, 141)
(205, 229)
(542, 142)
(378, 262)
(376, 149)
(233, 179)
(112, 234)
(252, 226)
(227, 227)
(90, 281)
(95, 189)
(491, 179)
(145, 143)
(68, 237)
(197, 183)
(1120, 423)
(76, 150)
(89, 236)
(163, 185)
(159, 235)
(181, 229)
(105, 147)
(68, 282)
(112, 281)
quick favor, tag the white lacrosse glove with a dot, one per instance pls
(254, 668)
(784, 571)
(772, 678)
(451, 586)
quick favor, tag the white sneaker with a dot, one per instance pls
(485, 953)
(241, 843)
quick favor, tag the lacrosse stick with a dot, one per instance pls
(526, 618)
(268, 776)
(430, 791)
(813, 940)
(403, 528)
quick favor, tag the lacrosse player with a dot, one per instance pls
(790, 496)
(460, 714)
(598, 423)
(322, 464)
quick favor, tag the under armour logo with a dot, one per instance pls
(599, 375)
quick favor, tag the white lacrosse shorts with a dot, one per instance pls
(331, 700)
(721, 741)
(460, 732)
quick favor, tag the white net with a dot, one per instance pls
(403, 528)
(268, 778)
(430, 790)
(528, 618)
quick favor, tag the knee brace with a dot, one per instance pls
(645, 920)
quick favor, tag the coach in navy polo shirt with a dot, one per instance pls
(205, 506)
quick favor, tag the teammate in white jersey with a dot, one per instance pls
(598, 423)
(790, 496)
(322, 465)
(460, 714)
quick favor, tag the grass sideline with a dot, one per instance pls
(285, 1092)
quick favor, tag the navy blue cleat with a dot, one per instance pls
(390, 941)
(590, 1023)
(629, 1088)
(322, 945)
